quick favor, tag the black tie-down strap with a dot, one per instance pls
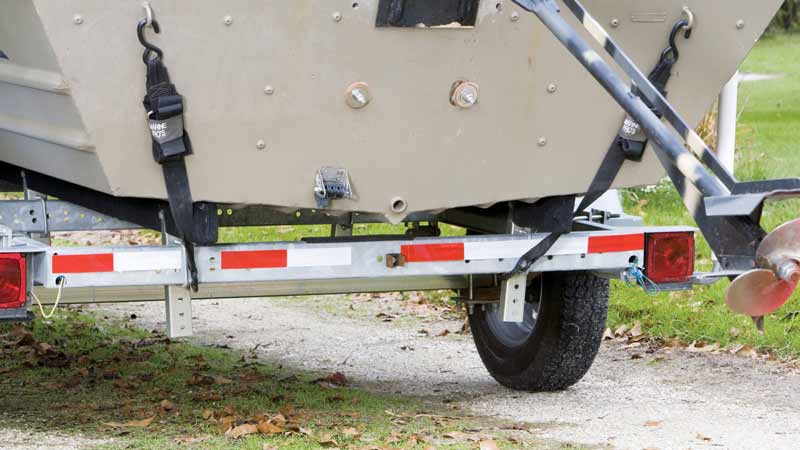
(195, 223)
(629, 144)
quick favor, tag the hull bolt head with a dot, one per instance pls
(357, 95)
(269, 90)
(614, 23)
(465, 94)
(78, 19)
(261, 145)
(337, 16)
(542, 142)
(228, 20)
(740, 24)
(514, 16)
(552, 88)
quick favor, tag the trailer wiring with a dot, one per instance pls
(635, 276)
(61, 284)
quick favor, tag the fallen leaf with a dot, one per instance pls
(207, 414)
(653, 423)
(327, 441)
(620, 331)
(269, 428)
(132, 423)
(608, 334)
(636, 331)
(488, 444)
(167, 405)
(336, 378)
(241, 430)
(443, 333)
(703, 438)
(351, 432)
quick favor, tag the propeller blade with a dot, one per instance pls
(758, 292)
(783, 243)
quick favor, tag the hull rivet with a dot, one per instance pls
(337, 16)
(261, 145)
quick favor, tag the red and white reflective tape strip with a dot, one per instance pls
(567, 245)
(118, 262)
(284, 258)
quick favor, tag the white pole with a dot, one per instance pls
(726, 122)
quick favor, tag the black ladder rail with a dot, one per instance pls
(650, 92)
(733, 239)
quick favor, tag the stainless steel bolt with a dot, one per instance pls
(740, 24)
(261, 145)
(614, 23)
(551, 88)
(228, 20)
(542, 141)
(337, 16)
(78, 19)
(269, 90)
(514, 16)
(359, 96)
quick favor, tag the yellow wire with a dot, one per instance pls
(55, 304)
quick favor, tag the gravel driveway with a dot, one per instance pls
(631, 399)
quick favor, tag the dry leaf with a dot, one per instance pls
(241, 430)
(444, 333)
(167, 405)
(327, 441)
(636, 331)
(608, 334)
(132, 424)
(351, 432)
(653, 423)
(269, 428)
(207, 414)
(620, 331)
(488, 444)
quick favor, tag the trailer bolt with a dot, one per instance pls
(542, 142)
(261, 145)
(614, 23)
(465, 94)
(78, 19)
(269, 90)
(337, 16)
(552, 88)
(740, 24)
(228, 20)
(357, 95)
(514, 16)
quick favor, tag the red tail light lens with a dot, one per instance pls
(12, 281)
(669, 257)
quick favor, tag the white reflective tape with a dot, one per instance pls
(341, 256)
(147, 260)
(514, 249)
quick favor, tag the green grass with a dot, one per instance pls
(767, 147)
(93, 375)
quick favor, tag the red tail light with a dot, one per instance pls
(669, 257)
(12, 281)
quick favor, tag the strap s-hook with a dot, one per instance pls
(681, 25)
(149, 48)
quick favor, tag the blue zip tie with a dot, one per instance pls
(636, 273)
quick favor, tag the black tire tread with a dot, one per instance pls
(572, 348)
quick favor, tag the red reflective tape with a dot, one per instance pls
(95, 263)
(254, 259)
(433, 252)
(616, 243)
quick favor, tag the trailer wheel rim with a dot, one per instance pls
(512, 334)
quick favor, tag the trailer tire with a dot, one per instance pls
(553, 349)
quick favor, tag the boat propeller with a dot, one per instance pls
(763, 290)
